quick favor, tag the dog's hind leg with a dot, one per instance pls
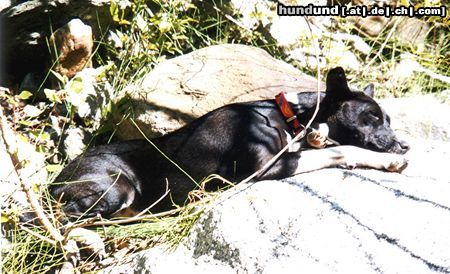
(89, 198)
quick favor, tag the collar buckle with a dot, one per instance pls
(288, 113)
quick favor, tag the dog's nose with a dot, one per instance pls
(404, 146)
(399, 147)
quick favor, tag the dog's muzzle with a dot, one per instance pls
(399, 147)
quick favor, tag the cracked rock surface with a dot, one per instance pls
(330, 221)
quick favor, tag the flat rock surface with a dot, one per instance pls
(327, 221)
(331, 221)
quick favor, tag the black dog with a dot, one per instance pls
(233, 141)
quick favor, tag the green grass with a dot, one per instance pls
(30, 251)
(28, 254)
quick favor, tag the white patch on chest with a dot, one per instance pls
(323, 129)
(293, 147)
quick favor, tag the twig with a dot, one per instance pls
(302, 134)
(231, 19)
(156, 202)
(31, 196)
(8, 139)
(37, 235)
(377, 55)
(40, 214)
(88, 223)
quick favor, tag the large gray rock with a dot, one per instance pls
(181, 89)
(328, 221)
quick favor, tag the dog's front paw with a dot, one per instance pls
(396, 163)
(316, 139)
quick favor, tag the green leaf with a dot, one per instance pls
(4, 218)
(54, 168)
(31, 111)
(124, 22)
(52, 95)
(40, 149)
(114, 11)
(38, 134)
(25, 94)
(45, 136)
(61, 78)
(28, 123)
(12, 102)
(24, 138)
(76, 85)
(152, 46)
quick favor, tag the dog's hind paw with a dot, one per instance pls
(91, 242)
(396, 163)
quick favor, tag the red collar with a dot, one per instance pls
(288, 113)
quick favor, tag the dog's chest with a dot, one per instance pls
(294, 147)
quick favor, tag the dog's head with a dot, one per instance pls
(356, 119)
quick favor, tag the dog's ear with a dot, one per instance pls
(337, 82)
(369, 90)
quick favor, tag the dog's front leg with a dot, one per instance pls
(349, 157)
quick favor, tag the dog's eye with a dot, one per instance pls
(370, 118)
(373, 117)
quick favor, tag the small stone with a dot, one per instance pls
(75, 141)
(73, 43)
(412, 31)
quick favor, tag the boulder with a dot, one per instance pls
(181, 89)
(371, 25)
(74, 141)
(409, 31)
(331, 220)
(412, 31)
(328, 221)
